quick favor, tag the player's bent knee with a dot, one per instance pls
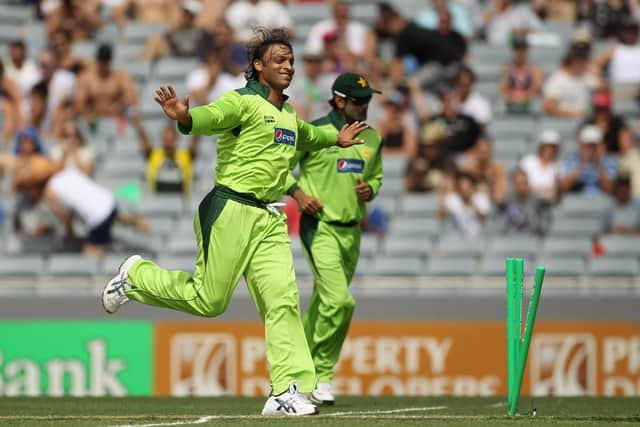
(213, 308)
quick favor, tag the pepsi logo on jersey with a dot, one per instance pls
(350, 166)
(284, 136)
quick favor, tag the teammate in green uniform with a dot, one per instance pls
(239, 230)
(332, 192)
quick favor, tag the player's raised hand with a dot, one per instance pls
(172, 106)
(307, 204)
(363, 190)
(346, 136)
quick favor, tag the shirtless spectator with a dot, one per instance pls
(147, 11)
(488, 173)
(61, 41)
(184, 39)
(566, 92)
(103, 91)
(10, 91)
(521, 80)
(37, 114)
(8, 123)
(78, 17)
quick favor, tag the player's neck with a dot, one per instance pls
(276, 96)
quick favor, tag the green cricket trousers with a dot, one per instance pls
(332, 251)
(237, 235)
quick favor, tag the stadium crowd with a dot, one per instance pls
(494, 113)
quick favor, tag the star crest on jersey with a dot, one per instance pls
(362, 82)
(366, 153)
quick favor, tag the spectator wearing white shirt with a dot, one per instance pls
(502, 18)
(567, 92)
(541, 168)
(466, 207)
(210, 81)
(73, 151)
(22, 70)
(60, 83)
(622, 60)
(359, 40)
(245, 15)
(472, 103)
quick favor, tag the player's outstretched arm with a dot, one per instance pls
(347, 135)
(173, 107)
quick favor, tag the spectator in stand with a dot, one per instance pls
(147, 11)
(523, 212)
(542, 167)
(28, 165)
(502, 18)
(60, 84)
(79, 18)
(61, 42)
(8, 123)
(357, 38)
(520, 81)
(37, 115)
(210, 81)
(622, 60)
(104, 92)
(183, 39)
(73, 151)
(488, 173)
(472, 103)
(169, 168)
(462, 130)
(590, 170)
(11, 93)
(605, 16)
(624, 217)
(245, 15)
(397, 126)
(465, 206)
(566, 92)
(433, 54)
(613, 127)
(629, 164)
(33, 220)
(308, 89)
(232, 51)
(428, 17)
(337, 56)
(432, 170)
(21, 70)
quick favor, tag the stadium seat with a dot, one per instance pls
(419, 228)
(453, 246)
(301, 266)
(307, 13)
(15, 14)
(174, 68)
(561, 247)
(185, 263)
(161, 205)
(407, 247)
(577, 227)
(296, 246)
(515, 246)
(369, 245)
(72, 265)
(183, 245)
(21, 265)
(495, 266)
(139, 32)
(512, 127)
(397, 266)
(563, 265)
(123, 167)
(621, 245)
(614, 266)
(394, 165)
(451, 266)
(391, 187)
(419, 205)
(584, 205)
(510, 147)
(137, 241)
(160, 225)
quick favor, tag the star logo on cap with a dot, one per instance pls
(362, 82)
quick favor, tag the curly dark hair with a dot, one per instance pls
(256, 48)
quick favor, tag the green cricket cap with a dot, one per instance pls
(352, 85)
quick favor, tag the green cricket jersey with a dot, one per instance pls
(331, 174)
(258, 139)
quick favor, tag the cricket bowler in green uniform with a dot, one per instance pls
(332, 191)
(239, 230)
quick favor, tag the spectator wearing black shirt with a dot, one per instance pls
(613, 127)
(433, 168)
(417, 47)
(462, 130)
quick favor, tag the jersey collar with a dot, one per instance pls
(336, 119)
(263, 91)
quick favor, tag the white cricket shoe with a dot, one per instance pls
(322, 395)
(113, 294)
(289, 403)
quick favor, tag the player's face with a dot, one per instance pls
(276, 66)
(355, 110)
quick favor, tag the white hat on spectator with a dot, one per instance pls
(549, 136)
(193, 6)
(591, 134)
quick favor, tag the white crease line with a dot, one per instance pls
(208, 418)
(175, 423)
(390, 411)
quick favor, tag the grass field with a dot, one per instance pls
(350, 411)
